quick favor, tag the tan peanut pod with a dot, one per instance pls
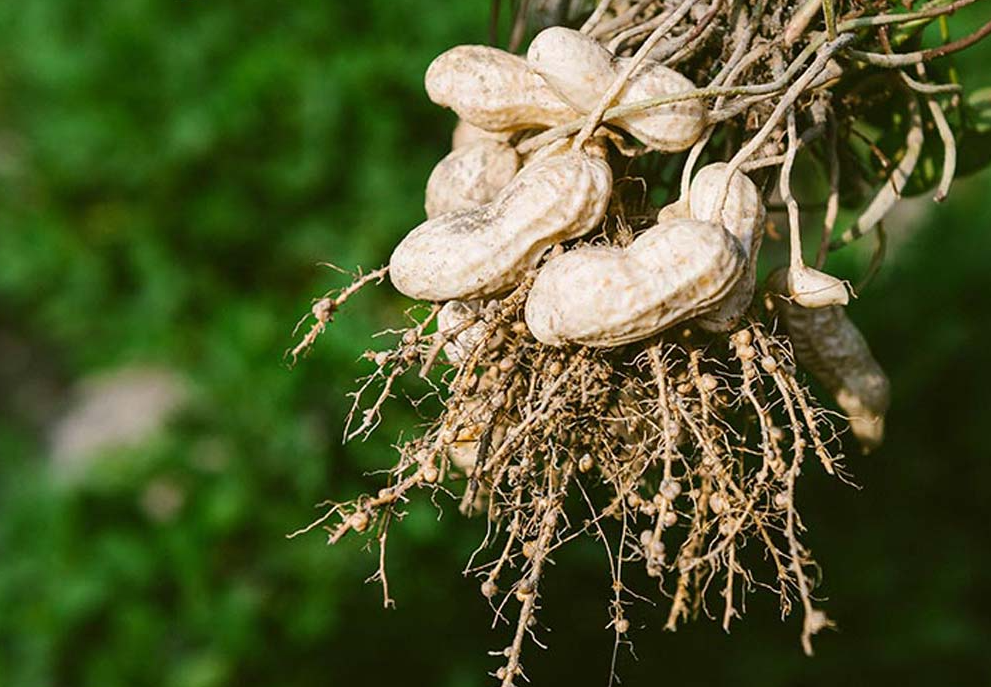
(455, 315)
(494, 90)
(677, 210)
(595, 147)
(466, 134)
(470, 176)
(669, 128)
(580, 71)
(485, 251)
(464, 451)
(811, 288)
(743, 216)
(577, 67)
(608, 296)
(829, 345)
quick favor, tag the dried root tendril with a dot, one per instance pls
(326, 307)
(693, 444)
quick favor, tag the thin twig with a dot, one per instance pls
(596, 16)
(889, 194)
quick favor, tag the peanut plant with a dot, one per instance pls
(613, 368)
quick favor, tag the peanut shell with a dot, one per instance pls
(485, 251)
(494, 90)
(828, 344)
(743, 216)
(580, 70)
(470, 176)
(608, 296)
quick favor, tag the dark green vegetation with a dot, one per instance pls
(170, 173)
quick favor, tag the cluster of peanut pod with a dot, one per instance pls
(496, 217)
(591, 268)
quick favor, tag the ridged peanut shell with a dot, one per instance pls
(494, 90)
(743, 216)
(676, 210)
(580, 71)
(608, 296)
(828, 345)
(464, 451)
(461, 315)
(465, 134)
(669, 128)
(470, 176)
(485, 251)
(811, 288)
(578, 68)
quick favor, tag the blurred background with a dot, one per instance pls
(171, 173)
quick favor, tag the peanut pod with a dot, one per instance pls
(811, 288)
(484, 251)
(743, 216)
(463, 452)
(494, 90)
(470, 176)
(466, 134)
(829, 345)
(676, 210)
(580, 71)
(609, 296)
(463, 316)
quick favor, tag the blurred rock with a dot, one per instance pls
(117, 409)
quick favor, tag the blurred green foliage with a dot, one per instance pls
(170, 173)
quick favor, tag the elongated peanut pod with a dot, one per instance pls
(829, 345)
(677, 210)
(463, 452)
(607, 296)
(742, 216)
(454, 316)
(485, 251)
(465, 134)
(470, 176)
(580, 71)
(494, 90)
(669, 128)
(578, 68)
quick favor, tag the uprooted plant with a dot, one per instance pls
(599, 360)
